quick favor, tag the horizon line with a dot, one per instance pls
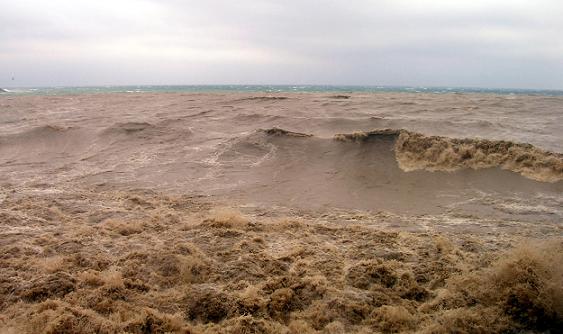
(286, 85)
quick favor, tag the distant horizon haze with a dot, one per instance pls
(287, 87)
(426, 43)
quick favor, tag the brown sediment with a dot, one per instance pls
(415, 151)
(155, 263)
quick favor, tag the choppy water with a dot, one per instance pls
(273, 89)
(280, 148)
(113, 204)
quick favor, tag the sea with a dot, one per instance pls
(61, 90)
(280, 209)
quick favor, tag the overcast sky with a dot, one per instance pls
(483, 43)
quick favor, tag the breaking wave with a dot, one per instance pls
(415, 151)
(388, 169)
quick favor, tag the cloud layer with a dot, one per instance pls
(366, 42)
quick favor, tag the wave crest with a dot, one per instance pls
(415, 151)
(281, 132)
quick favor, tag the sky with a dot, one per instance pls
(456, 43)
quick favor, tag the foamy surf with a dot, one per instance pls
(415, 151)
(72, 259)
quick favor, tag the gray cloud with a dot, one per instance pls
(391, 42)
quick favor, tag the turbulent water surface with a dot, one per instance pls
(299, 150)
(468, 174)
